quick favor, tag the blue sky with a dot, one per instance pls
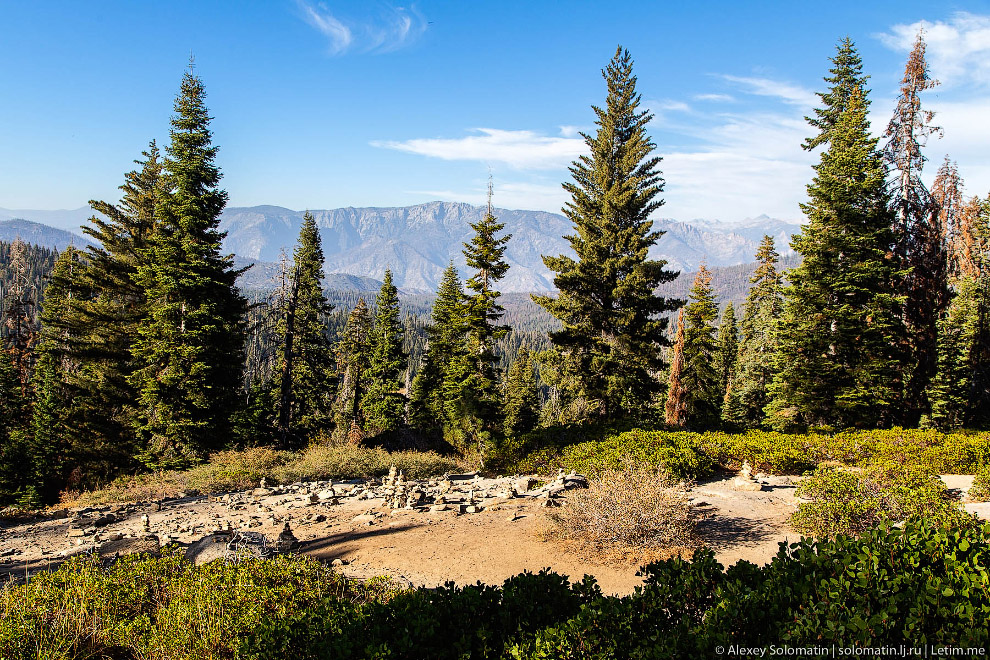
(330, 104)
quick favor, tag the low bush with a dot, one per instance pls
(696, 454)
(980, 490)
(920, 586)
(636, 506)
(846, 501)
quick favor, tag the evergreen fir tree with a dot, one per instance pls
(847, 76)
(839, 359)
(521, 402)
(947, 196)
(758, 342)
(305, 356)
(382, 405)
(16, 469)
(56, 440)
(613, 322)
(960, 391)
(728, 349)
(675, 410)
(98, 314)
(919, 239)
(444, 342)
(353, 357)
(477, 371)
(190, 345)
(19, 317)
(700, 378)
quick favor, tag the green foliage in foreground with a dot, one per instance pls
(851, 502)
(917, 586)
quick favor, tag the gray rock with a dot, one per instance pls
(209, 548)
(148, 544)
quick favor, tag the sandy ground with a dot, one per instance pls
(350, 522)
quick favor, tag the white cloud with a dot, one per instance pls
(393, 28)
(958, 50)
(507, 194)
(786, 92)
(714, 98)
(337, 33)
(569, 131)
(519, 149)
(667, 104)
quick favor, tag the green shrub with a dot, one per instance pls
(920, 585)
(980, 490)
(853, 501)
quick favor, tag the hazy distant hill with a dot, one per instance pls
(39, 234)
(417, 242)
(68, 219)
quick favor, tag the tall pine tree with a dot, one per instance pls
(190, 345)
(919, 240)
(613, 321)
(353, 357)
(960, 391)
(445, 340)
(675, 409)
(700, 378)
(103, 306)
(839, 360)
(747, 396)
(728, 349)
(474, 373)
(382, 405)
(305, 357)
(521, 403)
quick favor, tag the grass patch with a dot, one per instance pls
(237, 470)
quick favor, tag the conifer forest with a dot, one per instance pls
(140, 352)
(196, 464)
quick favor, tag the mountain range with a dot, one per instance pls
(417, 242)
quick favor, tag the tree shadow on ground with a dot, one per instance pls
(723, 532)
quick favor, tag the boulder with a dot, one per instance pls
(148, 544)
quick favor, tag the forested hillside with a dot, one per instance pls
(142, 351)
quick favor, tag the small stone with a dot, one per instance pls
(339, 562)
(438, 507)
(523, 484)
(261, 492)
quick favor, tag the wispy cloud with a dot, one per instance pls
(786, 92)
(508, 194)
(519, 149)
(392, 29)
(958, 49)
(714, 98)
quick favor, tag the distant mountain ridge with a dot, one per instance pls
(417, 242)
(40, 234)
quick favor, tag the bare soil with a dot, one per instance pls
(414, 545)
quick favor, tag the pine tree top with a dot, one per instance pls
(847, 75)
